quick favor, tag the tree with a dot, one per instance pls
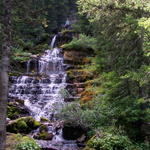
(4, 64)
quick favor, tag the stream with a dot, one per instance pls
(41, 92)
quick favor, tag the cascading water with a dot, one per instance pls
(42, 92)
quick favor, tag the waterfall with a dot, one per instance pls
(53, 41)
(42, 95)
(42, 92)
(28, 66)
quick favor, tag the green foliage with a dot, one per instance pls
(108, 141)
(12, 112)
(27, 144)
(121, 29)
(20, 55)
(83, 43)
(113, 141)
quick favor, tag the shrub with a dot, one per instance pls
(83, 43)
(113, 141)
(20, 55)
(108, 141)
(27, 144)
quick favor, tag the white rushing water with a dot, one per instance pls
(42, 94)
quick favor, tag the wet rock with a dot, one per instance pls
(13, 79)
(44, 136)
(44, 119)
(46, 81)
(35, 81)
(59, 80)
(28, 80)
(72, 132)
(81, 139)
(17, 109)
(69, 80)
(23, 125)
(43, 133)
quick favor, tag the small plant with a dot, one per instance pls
(64, 93)
(27, 144)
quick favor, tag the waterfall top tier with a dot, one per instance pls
(51, 62)
(53, 42)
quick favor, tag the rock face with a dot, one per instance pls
(77, 75)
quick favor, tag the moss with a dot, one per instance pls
(43, 134)
(23, 125)
(16, 109)
(12, 111)
(44, 119)
(43, 128)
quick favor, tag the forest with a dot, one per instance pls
(75, 75)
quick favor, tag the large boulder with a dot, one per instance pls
(72, 132)
(23, 125)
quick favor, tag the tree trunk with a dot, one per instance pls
(4, 64)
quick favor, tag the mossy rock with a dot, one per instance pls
(44, 119)
(43, 128)
(23, 125)
(43, 133)
(44, 136)
(16, 110)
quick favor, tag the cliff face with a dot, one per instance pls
(77, 74)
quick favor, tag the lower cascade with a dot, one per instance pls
(41, 91)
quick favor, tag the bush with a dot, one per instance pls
(27, 144)
(114, 140)
(92, 115)
(20, 55)
(83, 43)
(108, 141)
